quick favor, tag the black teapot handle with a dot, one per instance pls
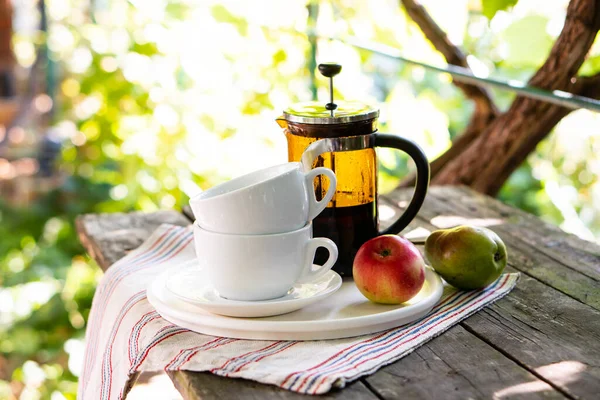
(422, 181)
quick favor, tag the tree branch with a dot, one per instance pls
(485, 109)
(6, 55)
(583, 86)
(459, 144)
(484, 105)
(512, 136)
(588, 86)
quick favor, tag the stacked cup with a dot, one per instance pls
(253, 234)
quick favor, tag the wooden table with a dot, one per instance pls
(542, 340)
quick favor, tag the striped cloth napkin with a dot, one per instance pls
(125, 335)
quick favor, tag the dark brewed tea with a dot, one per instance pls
(349, 228)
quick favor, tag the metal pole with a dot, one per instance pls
(313, 13)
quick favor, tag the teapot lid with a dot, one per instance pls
(314, 112)
(331, 113)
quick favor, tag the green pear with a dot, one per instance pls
(467, 257)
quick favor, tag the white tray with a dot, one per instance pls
(346, 313)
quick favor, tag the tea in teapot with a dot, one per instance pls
(343, 136)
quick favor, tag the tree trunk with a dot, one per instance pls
(7, 83)
(487, 153)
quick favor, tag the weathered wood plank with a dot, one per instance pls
(439, 211)
(205, 386)
(109, 237)
(554, 336)
(201, 385)
(457, 365)
(512, 378)
(551, 334)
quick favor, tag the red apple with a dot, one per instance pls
(389, 269)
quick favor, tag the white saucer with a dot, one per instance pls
(191, 284)
(346, 313)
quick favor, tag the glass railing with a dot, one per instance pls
(465, 75)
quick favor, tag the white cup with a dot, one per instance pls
(260, 267)
(272, 200)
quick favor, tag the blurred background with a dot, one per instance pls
(119, 105)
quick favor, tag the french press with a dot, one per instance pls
(343, 136)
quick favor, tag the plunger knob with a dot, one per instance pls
(330, 70)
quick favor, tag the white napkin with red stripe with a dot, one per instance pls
(125, 335)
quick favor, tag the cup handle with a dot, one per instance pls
(311, 273)
(315, 206)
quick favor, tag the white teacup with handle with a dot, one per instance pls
(260, 267)
(272, 200)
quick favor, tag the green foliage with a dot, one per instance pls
(523, 191)
(221, 14)
(489, 8)
(591, 66)
(528, 42)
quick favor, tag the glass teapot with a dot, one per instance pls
(343, 137)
